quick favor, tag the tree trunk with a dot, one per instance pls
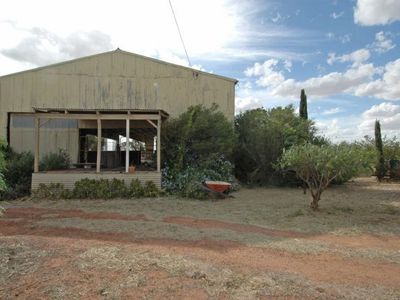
(315, 199)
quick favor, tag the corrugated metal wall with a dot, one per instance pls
(54, 135)
(115, 79)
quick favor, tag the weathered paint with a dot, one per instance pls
(111, 80)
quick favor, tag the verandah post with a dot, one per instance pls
(127, 145)
(159, 144)
(98, 160)
(37, 143)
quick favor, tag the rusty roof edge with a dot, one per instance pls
(95, 110)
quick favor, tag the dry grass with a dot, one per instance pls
(217, 279)
(111, 269)
(361, 206)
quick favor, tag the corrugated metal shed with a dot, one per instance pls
(107, 81)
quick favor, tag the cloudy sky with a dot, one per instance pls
(344, 53)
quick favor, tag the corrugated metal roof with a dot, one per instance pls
(128, 53)
(102, 111)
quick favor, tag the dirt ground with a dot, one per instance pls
(262, 244)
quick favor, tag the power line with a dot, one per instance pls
(180, 34)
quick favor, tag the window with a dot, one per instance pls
(28, 121)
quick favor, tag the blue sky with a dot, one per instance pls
(345, 54)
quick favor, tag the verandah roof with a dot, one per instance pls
(118, 111)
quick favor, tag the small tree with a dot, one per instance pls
(380, 167)
(318, 166)
(303, 105)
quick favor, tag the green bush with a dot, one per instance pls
(98, 189)
(18, 175)
(262, 135)
(53, 191)
(318, 166)
(150, 190)
(197, 146)
(118, 189)
(136, 189)
(195, 137)
(188, 183)
(55, 161)
(85, 188)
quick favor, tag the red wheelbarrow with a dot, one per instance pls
(218, 188)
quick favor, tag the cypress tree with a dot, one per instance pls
(380, 167)
(303, 105)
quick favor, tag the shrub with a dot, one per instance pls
(135, 189)
(85, 188)
(97, 189)
(118, 188)
(188, 183)
(115, 188)
(318, 166)
(55, 161)
(52, 191)
(196, 136)
(100, 189)
(262, 135)
(150, 189)
(18, 174)
(197, 146)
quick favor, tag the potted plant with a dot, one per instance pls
(132, 169)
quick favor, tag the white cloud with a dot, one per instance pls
(339, 129)
(288, 65)
(267, 73)
(345, 38)
(245, 103)
(177, 59)
(351, 128)
(387, 87)
(332, 111)
(388, 115)
(360, 79)
(382, 110)
(43, 36)
(41, 47)
(230, 32)
(382, 43)
(357, 57)
(337, 15)
(329, 84)
(376, 12)
(277, 18)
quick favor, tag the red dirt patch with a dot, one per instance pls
(359, 241)
(323, 267)
(46, 213)
(362, 241)
(208, 223)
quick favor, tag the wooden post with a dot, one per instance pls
(37, 143)
(127, 146)
(98, 161)
(159, 145)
